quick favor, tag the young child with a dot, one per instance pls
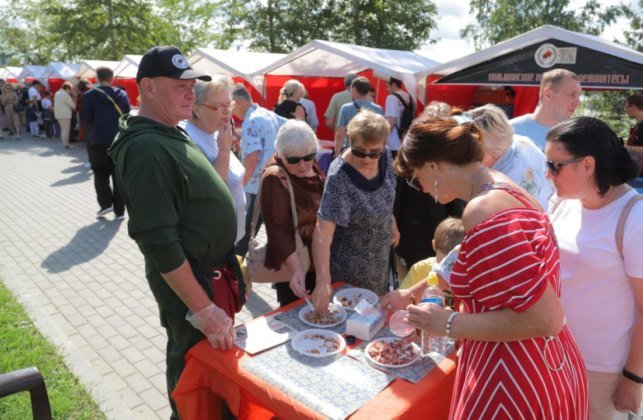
(32, 118)
(448, 235)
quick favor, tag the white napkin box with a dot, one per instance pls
(365, 325)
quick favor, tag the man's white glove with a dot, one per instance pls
(215, 324)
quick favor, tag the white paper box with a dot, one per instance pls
(365, 325)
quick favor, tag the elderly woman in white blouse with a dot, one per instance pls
(513, 155)
(211, 129)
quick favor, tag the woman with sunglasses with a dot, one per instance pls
(210, 127)
(354, 231)
(602, 288)
(518, 358)
(296, 148)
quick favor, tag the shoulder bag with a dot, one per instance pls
(118, 108)
(620, 226)
(255, 261)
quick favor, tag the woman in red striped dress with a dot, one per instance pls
(518, 358)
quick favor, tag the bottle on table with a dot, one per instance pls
(433, 294)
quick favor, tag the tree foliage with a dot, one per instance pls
(498, 20)
(280, 26)
(41, 31)
(634, 36)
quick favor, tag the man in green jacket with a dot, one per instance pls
(182, 215)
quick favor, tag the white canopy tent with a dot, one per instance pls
(88, 68)
(58, 70)
(10, 72)
(32, 71)
(128, 66)
(333, 59)
(233, 63)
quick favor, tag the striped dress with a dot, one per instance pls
(506, 262)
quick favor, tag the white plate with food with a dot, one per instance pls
(350, 297)
(318, 343)
(335, 316)
(392, 352)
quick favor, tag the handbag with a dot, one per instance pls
(255, 261)
(18, 107)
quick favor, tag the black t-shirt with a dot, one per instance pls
(287, 109)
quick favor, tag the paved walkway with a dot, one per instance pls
(82, 279)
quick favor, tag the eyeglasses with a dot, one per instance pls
(293, 160)
(414, 182)
(229, 106)
(555, 167)
(373, 154)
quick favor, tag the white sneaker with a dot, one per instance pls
(121, 217)
(102, 212)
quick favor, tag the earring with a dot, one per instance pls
(435, 188)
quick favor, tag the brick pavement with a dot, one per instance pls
(82, 279)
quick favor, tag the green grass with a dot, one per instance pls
(22, 346)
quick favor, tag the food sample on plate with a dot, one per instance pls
(323, 344)
(351, 301)
(349, 298)
(330, 317)
(318, 343)
(392, 352)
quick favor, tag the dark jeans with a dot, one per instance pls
(241, 247)
(103, 169)
(87, 135)
(181, 336)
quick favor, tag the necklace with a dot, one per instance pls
(474, 182)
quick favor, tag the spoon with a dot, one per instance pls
(309, 303)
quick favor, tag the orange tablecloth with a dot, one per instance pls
(213, 374)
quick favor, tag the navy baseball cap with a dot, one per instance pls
(169, 62)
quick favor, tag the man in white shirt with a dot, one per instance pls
(393, 110)
(558, 99)
(34, 94)
(258, 134)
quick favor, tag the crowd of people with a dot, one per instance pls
(529, 222)
(539, 199)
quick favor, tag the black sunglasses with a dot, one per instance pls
(295, 159)
(414, 183)
(555, 167)
(374, 154)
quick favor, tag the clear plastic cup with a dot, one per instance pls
(399, 325)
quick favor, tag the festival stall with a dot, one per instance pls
(125, 76)
(10, 74)
(322, 65)
(57, 73)
(30, 72)
(509, 73)
(242, 66)
(88, 68)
